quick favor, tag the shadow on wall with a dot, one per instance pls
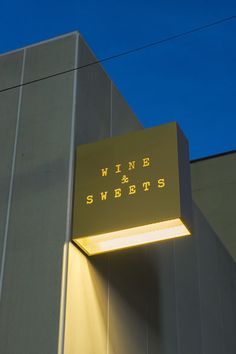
(133, 285)
(113, 300)
(164, 298)
(142, 300)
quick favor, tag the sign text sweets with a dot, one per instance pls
(126, 187)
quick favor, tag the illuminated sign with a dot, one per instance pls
(132, 189)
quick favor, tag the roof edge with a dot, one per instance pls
(213, 156)
(39, 43)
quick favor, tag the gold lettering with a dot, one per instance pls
(117, 192)
(146, 186)
(131, 165)
(124, 179)
(104, 171)
(104, 195)
(89, 199)
(161, 182)
(146, 161)
(118, 170)
(132, 189)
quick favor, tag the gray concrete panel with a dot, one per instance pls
(123, 119)
(228, 320)
(128, 293)
(10, 69)
(214, 190)
(49, 58)
(8, 113)
(94, 93)
(233, 275)
(32, 280)
(187, 295)
(162, 331)
(209, 288)
(86, 324)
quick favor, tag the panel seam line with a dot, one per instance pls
(108, 304)
(62, 316)
(176, 302)
(197, 240)
(108, 257)
(12, 176)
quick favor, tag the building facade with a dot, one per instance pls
(173, 297)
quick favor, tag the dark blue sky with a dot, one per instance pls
(189, 80)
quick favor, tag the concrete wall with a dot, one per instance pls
(214, 191)
(36, 128)
(172, 297)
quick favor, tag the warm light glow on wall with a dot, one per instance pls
(132, 237)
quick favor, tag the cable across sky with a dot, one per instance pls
(132, 50)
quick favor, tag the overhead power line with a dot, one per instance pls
(167, 39)
(130, 51)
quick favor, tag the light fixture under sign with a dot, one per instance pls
(132, 237)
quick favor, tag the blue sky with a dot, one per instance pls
(189, 80)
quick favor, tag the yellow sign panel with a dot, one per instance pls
(132, 189)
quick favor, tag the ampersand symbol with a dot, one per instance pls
(124, 179)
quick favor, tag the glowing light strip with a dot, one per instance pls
(132, 237)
